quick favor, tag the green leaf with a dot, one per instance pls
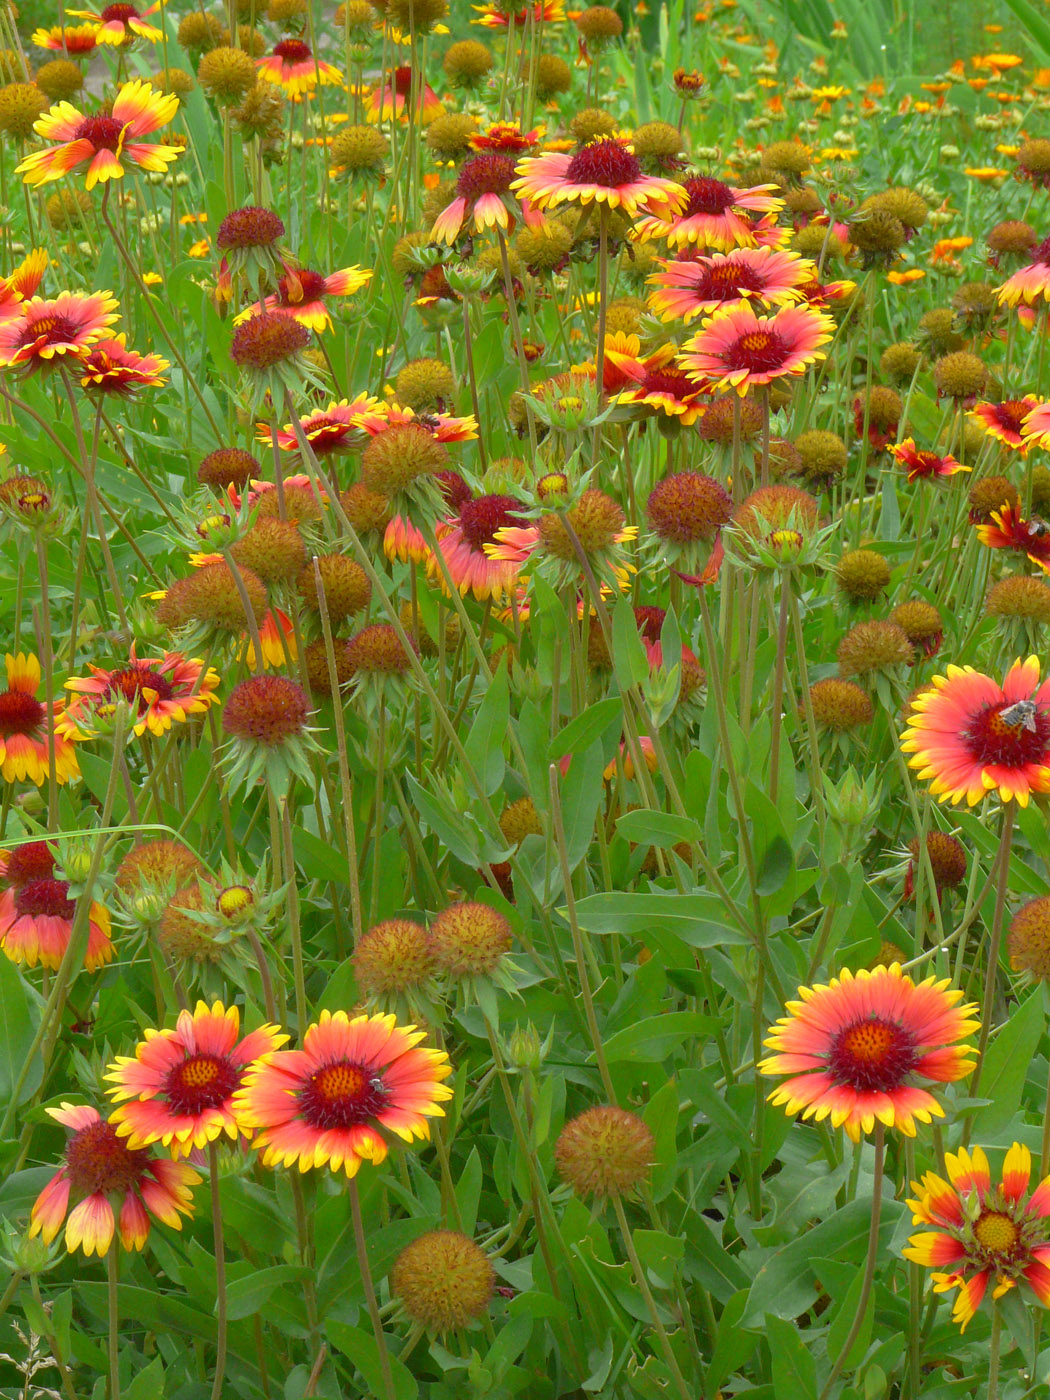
(775, 867)
(733, 1346)
(694, 918)
(581, 795)
(20, 1010)
(647, 828)
(587, 728)
(629, 659)
(445, 823)
(842, 1321)
(794, 1370)
(648, 1041)
(247, 1295)
(484, 744)
(148, 1384)
(1006, 1064)
(317, 859)
(1036, 27)
(468, 1192)
(360, 1349)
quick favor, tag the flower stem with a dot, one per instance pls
(112, 1272)
(991, 976)
(370, 1292)
(869, 1263)
(220, 1272)
(993, 1353)
(650, 1302)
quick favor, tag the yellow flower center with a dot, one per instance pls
(996, 1232)
(870, 1041)
(197, 1073)
(342, 1081)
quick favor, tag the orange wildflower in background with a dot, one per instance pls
(36, 913)
(969, 736)
(301, 294)
(983, 1232)
(329, 1103)
(604, 172)
(853, 1050)
(295, 68)
(920, 463)
(100, 1172)
(736, 349)
(46, 328)
(25, 752)
(161, 691)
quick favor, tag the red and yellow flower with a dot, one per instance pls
(462, 542)
(1036, 426)
(178, 1087)
(539, 12)
(698, 286)
(161, 690)
(714, 215)
(101, 1172)
(1030, 283)
(71, 39)
(36, 913)
(854, 1049)
(296, 69)
(482, 199)
(330, 430)
(736, 349)
(330, 1103)
(301, 293)
(1007, 422)
(443, 426)
(969, 736)
(982, 1232)
(46, 327)
(22, 283)
(25, 752)
(392, 97)
(656, 382)
(120, 23)
(1008, 529)
(921, 463)
(110, 367)
(604, 172)
(104, 140)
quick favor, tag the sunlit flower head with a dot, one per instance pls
(120, 23)
(177, 1089)
(104, 141)
(49, 328)
(603, 172)
(919, 463)
(968, 736)
(714, 215)
(115, 1188)
(736, 349)
(22, 283)
(506, 137)
(110, 367)
(982, 1233)
(856, 1049)
(698, 286)
(1030, 283)
(656, 383)
(1007, 422)
(161, 691)
(329, 430)
(330, 1103)
(296, 69)
(391, 98)
(510, 17)
(25, 754)
(71, 39)
(1006, 528)
(462, 542)
(301, 294)
(36, 913)
(482, 198)
(1036, 426)
(444, 427)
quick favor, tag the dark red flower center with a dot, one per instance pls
(650, 620)
(872, 1055)
(1041, 253)
(669, 381)
(1010, 414)
(725, 278)
(20, 713)
(200, 1082)
(454, 489)
(52, 330)
(605, 163)
(403, 81)
(759, 351)
(707, 196)
(1011, 736)
(342, 1095)
(292, 51)
(479, 520)
(103, 131)
(33, 861)
(120, 12)
(133, 680)
(44, 897)
(98, 1160)
(301, 286)
(487, 174)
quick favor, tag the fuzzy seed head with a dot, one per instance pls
(443, 1280)
(541, 249)
(228, 466)
(900, 361)
(394, 956)
(1028, 941)
(599, 22)
(470, 939)
(398, 456)
(520, 819)
(876, 231)
(919, 620)
(840, 705)
(273, 549)
(776, 506)
(182, 937)
(687, 507)
(61, 79)
(1027, 599)
(448, 137)
(360, 148)
(250, 227)
(822, 456)
(20, 106)
(717, 423)
(467, 63)
(591, 125)
(1013, 237)
(365, 509)
(904, 204)
(346, 586)
(425, 385)
(267, 339)
(947, 858)
(266, 710)
(604, 1152)
(553, 76)
(155, 864)
(377, 650)
(211, 596)
(873, 646)
(226, 74)
(960, 375)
